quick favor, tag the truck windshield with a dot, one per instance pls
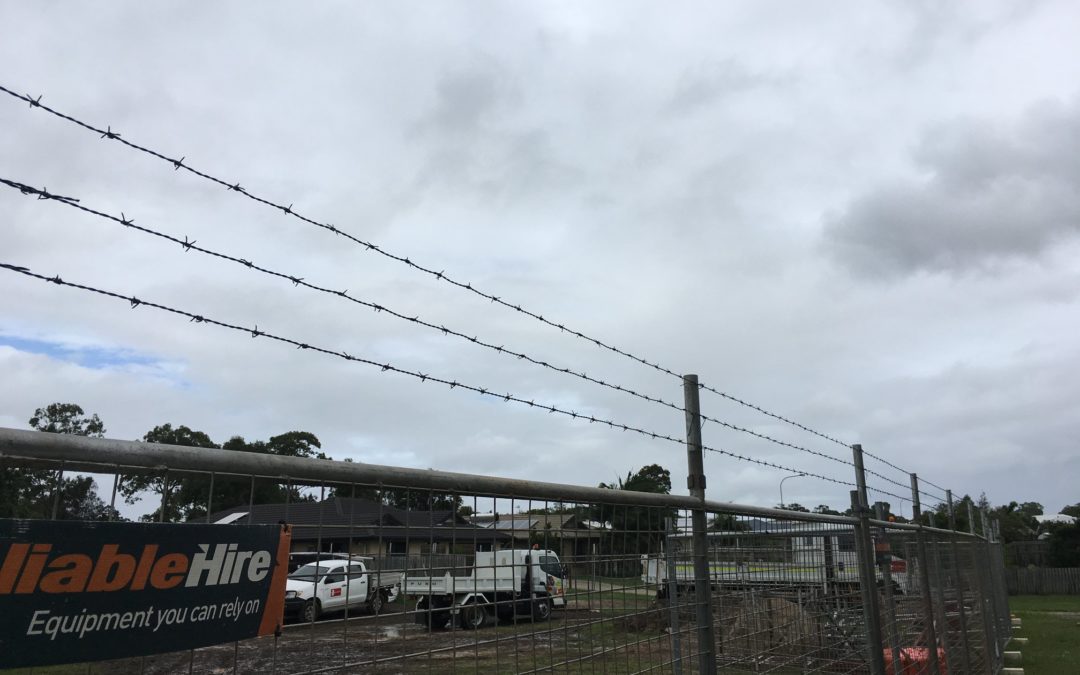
(310, 572)
(550, 565)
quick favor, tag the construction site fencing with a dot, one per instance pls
(493, 575)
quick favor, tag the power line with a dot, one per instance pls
(440, 275)
(384, 367)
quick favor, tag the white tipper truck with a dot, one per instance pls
(501, 585)
(814, 560)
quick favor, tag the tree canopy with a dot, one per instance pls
(43, 493)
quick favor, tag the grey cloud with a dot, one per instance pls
(707, 83)
(992, 195)
(466, 98)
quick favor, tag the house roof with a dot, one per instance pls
(346, 517)
(560, 524)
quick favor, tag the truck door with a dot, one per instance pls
(332, 588)
(358, 584)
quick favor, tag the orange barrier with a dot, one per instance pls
(914, 661)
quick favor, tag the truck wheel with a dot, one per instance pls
(473, 616)
(541, 609)
(312, 610)
(377, 603)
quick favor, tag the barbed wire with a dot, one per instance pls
(191, 245)
(932, 484)
(439, 275)
(775, 416)
(255, 332)
(886, 462)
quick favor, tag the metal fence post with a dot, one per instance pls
(988, 537)
(924, 579)
(890, 600)
(673, 596)
(964, 645)
(867, 576)
(696, 484)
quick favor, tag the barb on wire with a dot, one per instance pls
(191, 245)
(439, 275)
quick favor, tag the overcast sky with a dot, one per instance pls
(863, 216)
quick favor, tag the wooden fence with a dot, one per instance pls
(1043, 580)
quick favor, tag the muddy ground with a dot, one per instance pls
(575, 640)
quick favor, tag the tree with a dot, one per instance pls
(188, 496)
(1064, 545)
(636, 527)
(793, 506)
(67, 418)
(1072, 510)
(824, 509)
(181, 490)
(34, 493)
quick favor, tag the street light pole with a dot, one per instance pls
(794, 475)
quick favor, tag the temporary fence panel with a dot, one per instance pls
(553, 578)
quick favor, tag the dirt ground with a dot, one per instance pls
(575, 640)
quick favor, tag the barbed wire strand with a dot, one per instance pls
(191, 245)
(384, 367)
(439, 275)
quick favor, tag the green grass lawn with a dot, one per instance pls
(1052, 626)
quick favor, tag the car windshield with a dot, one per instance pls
(550, 564)
(310, 572)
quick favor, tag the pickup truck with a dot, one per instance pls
(336, 584)
(501, 585)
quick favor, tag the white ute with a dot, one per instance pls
(336, 584)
